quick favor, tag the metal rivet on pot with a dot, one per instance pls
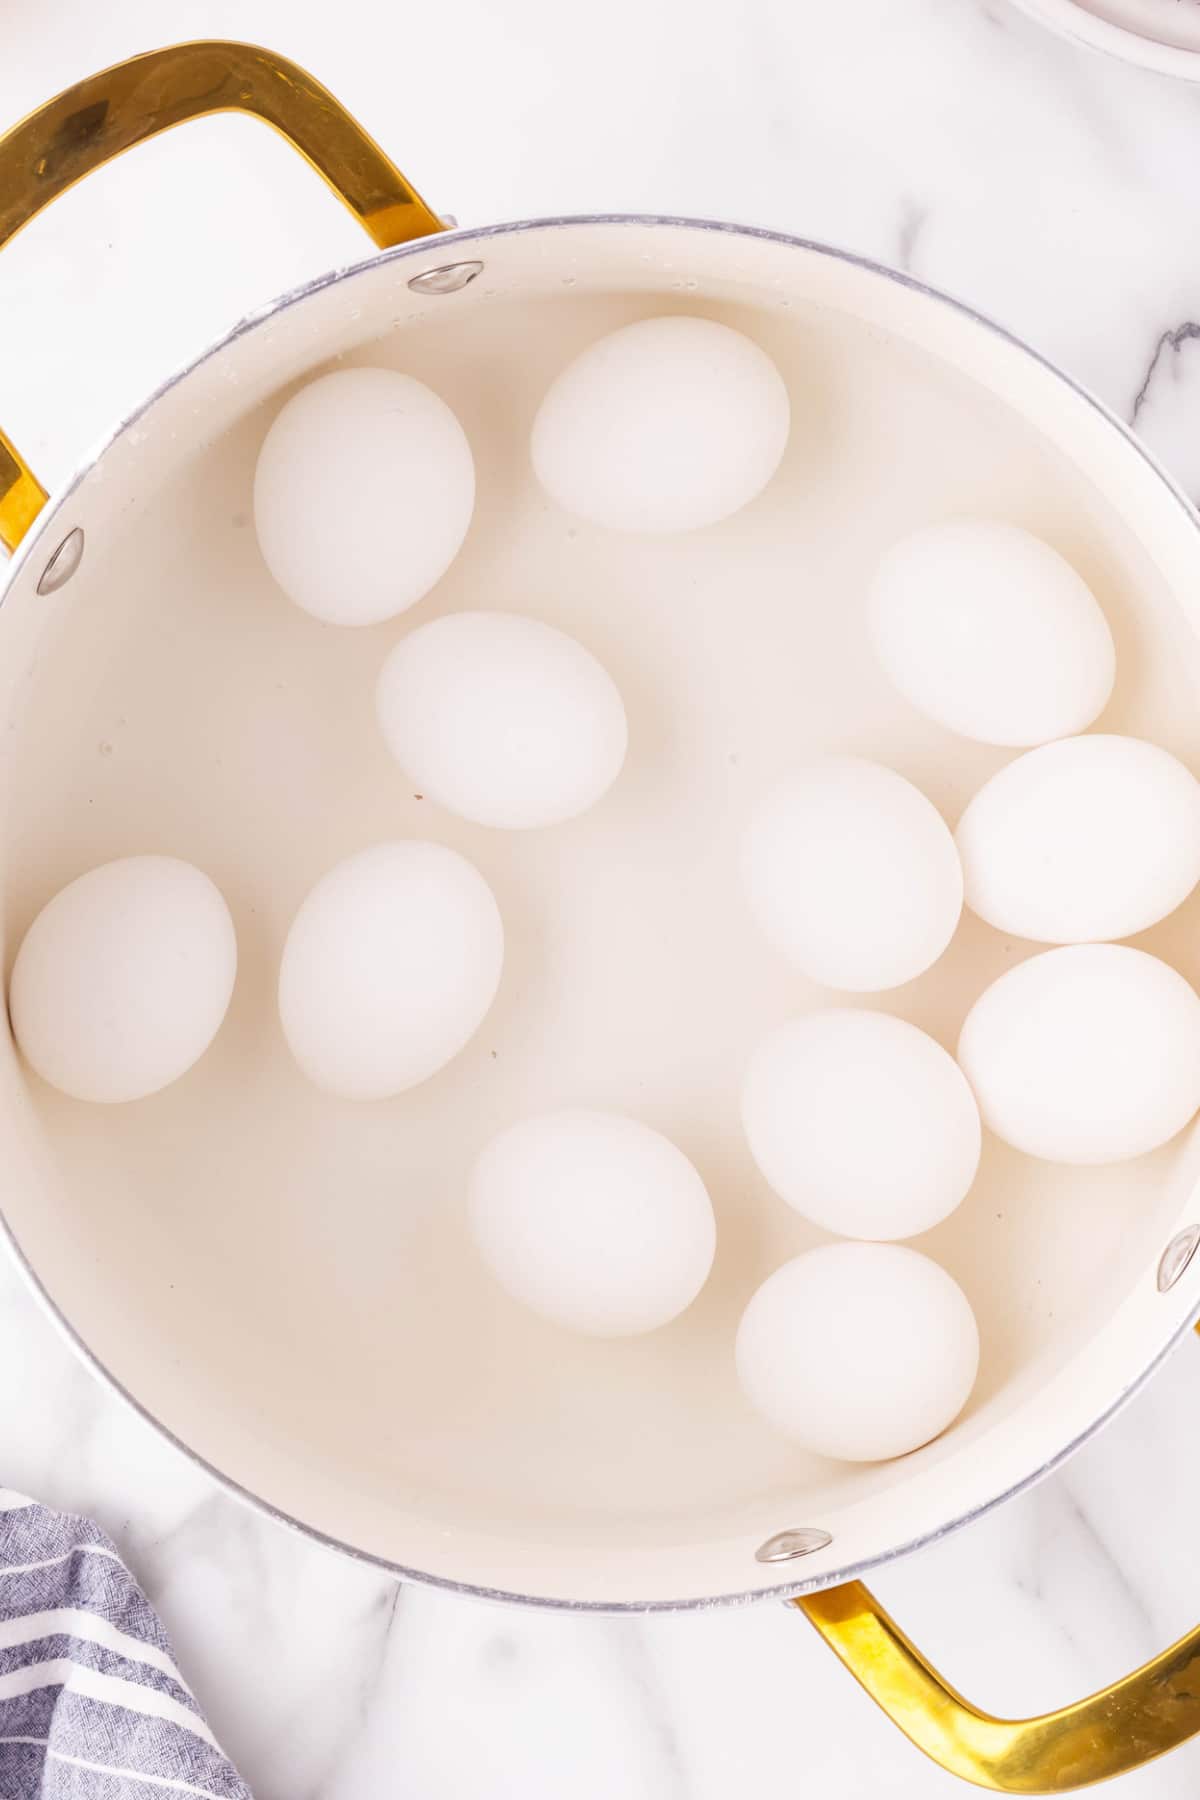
(785, 1546)
(446, 280)
(63, 564)
(1176, 1257)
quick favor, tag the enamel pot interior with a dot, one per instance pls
(281, 1280)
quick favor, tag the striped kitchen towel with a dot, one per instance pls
(92, 1706)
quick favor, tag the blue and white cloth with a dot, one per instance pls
(92, 1705)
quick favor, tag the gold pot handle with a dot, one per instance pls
(109, 113)
(1151, 1711)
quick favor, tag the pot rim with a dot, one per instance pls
(34, 539)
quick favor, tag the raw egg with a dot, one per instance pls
(389, 968)
(592, 1220)
(665, 425)
(1088, 1054)
(123, 979)
(859, 1351)
(1086, 839)
(502, 719)
(852, 874)
(861, 1122)
(363, 493)
(990, 632)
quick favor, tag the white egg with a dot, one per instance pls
(592, 1220)
(123, 979)
(990, 632)
(665, 425)
(502, 719)
(1088, 1054)
(859, 1351)
(389, 968)
(852, 875)
(861, 1122)
(1090, 838)
(363, 493)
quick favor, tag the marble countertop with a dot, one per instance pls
(1052, 189)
